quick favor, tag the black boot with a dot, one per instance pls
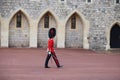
(47, 67)
(47, 60)
(60, 66)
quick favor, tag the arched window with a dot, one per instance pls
(89, 1)
(73, 22)
(18, 20)
(62, 1)
(46, 21)
(117, 1)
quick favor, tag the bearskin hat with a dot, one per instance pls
(52, 33)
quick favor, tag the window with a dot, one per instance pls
(18, 20)
(46, 21)
(35, 0)
(89, 1)
(73, 22)
(62, 1)
(117, 1)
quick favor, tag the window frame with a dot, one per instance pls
(46, 21)
(87, 1)
(62, 1)
(73, 22)
(117, 1)
(19, 20)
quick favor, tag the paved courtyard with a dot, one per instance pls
(79, 64)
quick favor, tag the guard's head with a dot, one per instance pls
(52, 33)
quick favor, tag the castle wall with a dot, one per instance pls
(0, 33)
(97, 19)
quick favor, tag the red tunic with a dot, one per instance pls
(51, 45)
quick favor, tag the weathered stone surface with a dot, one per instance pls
(100, 14)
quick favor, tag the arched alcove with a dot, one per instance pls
(74, 32)
(19, 29)
(115, 36)
(80, 34)
(42, 36)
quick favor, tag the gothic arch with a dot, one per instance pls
(117, 22)
(85, 26)
(23, 11)
(19, 37)
(43, 32)
(50, 11)
(78, 13)
(108, 33)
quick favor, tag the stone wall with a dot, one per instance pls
(0, 33)
(0, 22)
(100, 14)
(117, 12)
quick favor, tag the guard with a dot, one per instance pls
(50, 49)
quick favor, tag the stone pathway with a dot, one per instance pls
(79, 64)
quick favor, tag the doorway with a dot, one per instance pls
(115, 36)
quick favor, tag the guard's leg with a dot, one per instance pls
(56, 60)
(47, 60)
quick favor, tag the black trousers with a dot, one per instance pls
(54, 57)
